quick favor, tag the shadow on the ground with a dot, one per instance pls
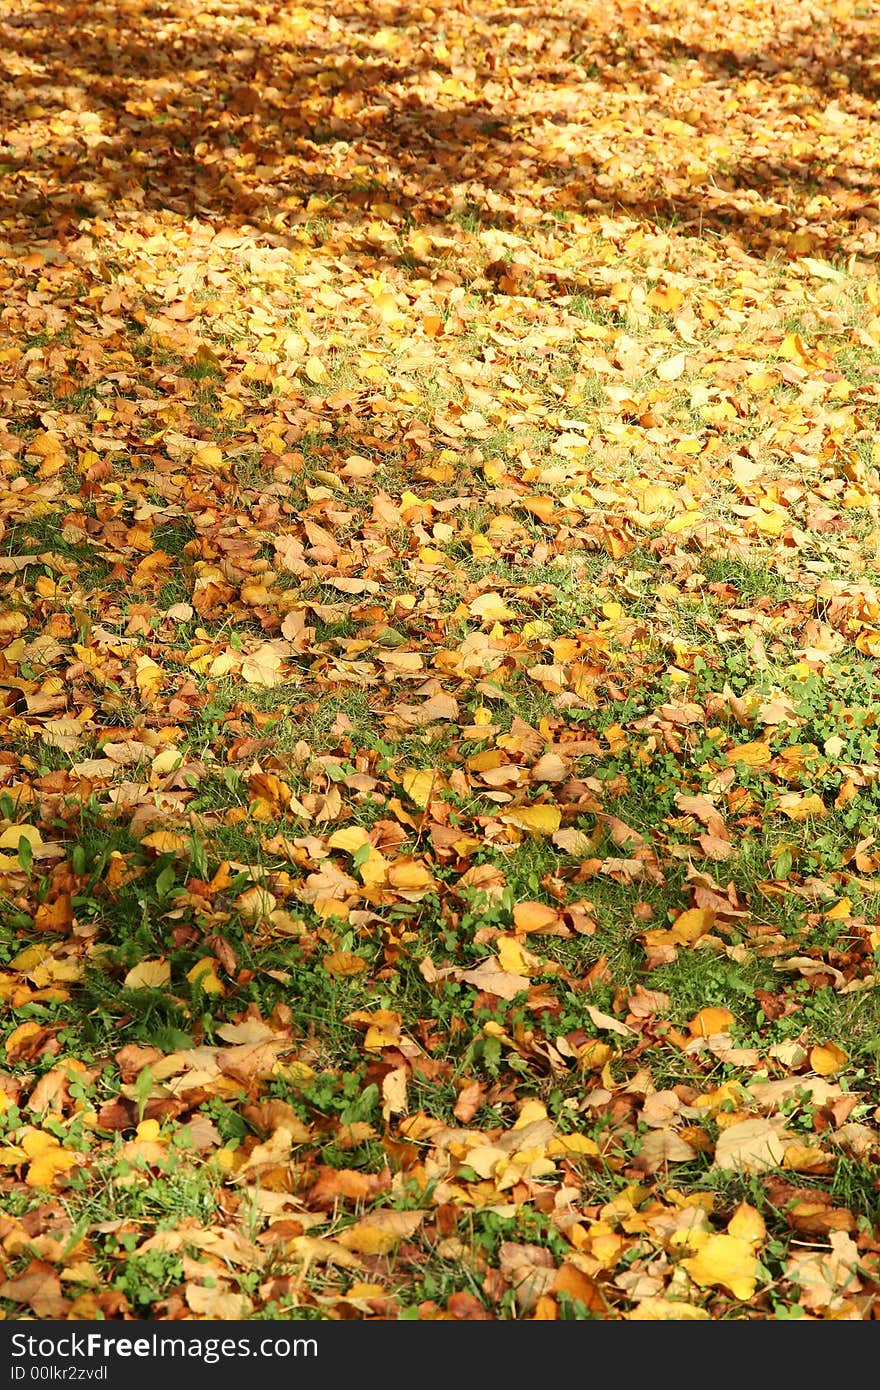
(155, 106)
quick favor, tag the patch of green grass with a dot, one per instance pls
(752, 579)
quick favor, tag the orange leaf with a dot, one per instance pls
(709, 1021)
(827, 1059)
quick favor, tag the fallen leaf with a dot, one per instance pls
(750, 1146)
(727, 1262)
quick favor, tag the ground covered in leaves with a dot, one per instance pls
(439, 630)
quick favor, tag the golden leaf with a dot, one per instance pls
(491, 607)
(801, 807)
(262, 667)
(751, 1146)
(148, 974)
(537, 820)
(256, 904)
(316, 371)
(672, 368)
(394, 1093)
(420, 784)
(350, 839)
(204, 975)
(534, 917)
(344, 963)
(209, 456)
(409, 876)
(691, 924)
(667, 1310)
(755, 754)
(511, 956)
(747, 1224)
(49, 1165)
(13, 833)
(379, 1232)
(164, 842)
(725, 1261)
(828, 1059)
(709, 1021)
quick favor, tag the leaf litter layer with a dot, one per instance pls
(439, 625)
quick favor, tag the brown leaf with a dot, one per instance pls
(39, 1287)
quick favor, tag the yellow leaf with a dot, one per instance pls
(203, 974)
(316, 371)
(148, 974)
(344, 963)
(755, 754)
(149, 676)
(383, 1027)
(693, 923)
(794, 349)
(394, 1100)
(805, 1158)
(666, 298)
(256, 904)
(822, 270)
(350, 839)
(166, 761)
(827, 1059)
(28, 958)
(491, 607)
(408, 876)
(18, 1039)
(770, 523)
(218, 666)
(262, 667)
(761, 381)
(37, 1141)
(388, 310)
(511, 956)
(538, 820)
(667, 1310)
(801, 807)
(49, 1165)
(379, 1232)
(13, 833)
(420, 244)
(482, 548)
(374, 869)
(363, 1290)
(573, 1146)
(685, 521)
(420, 784)
(750, 1146)
(840, 911)
(311, 1250)
(534, 917)
(594, 1054)
(530, 1112)
(429, 555)
(727, 1262)
(747, 1224)
(709, 1021)
(672, 368)
(472, 420)
(209, 456)
(164, 842)
(657, 497)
